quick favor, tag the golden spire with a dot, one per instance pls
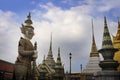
(118, 32)
(94, 52)
(116, 43)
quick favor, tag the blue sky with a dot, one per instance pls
(105, 7)
(19, 5)
(68, 20)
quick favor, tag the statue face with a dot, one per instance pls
(29, 33)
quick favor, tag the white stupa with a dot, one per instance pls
(94, 59)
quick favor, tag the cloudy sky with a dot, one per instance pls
(68, 20)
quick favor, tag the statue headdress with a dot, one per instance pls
(28, 24)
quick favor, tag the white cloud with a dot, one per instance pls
(104, 5)
(9, 35)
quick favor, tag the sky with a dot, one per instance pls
(68, 20)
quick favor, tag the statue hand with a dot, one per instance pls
(35, 55)
(35, 52)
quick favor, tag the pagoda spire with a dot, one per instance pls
(118, 22)
(106, 42)
(43, 60)
(94, 52)
(107, 50)
(50, 60)
(118, 31)
(51, 43)
(118, 25)
(59, 69)
(58, 62)
(50, 49)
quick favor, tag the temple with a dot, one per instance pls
(49, 69)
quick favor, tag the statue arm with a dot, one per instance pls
(24, 52)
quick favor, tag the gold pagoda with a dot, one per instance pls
(116, 43)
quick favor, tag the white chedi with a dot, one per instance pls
(93, 65)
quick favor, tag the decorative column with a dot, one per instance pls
(81, 68)
(35, 70)
(70, 56)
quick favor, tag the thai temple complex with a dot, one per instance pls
(51, 69)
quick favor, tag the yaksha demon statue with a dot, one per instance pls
(26, 51)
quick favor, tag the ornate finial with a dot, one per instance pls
(118, 31)
(93, 42)
(59, 58)
(27, 25)
(105, 22)
(118, 20)
(28, 21)
(58, 51)
(29, 16)
(58, 62)
(44, 57)
(92, 28)
(35, 45)
(51, 42)
(118, 23)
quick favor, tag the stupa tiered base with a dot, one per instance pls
(109, 65)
